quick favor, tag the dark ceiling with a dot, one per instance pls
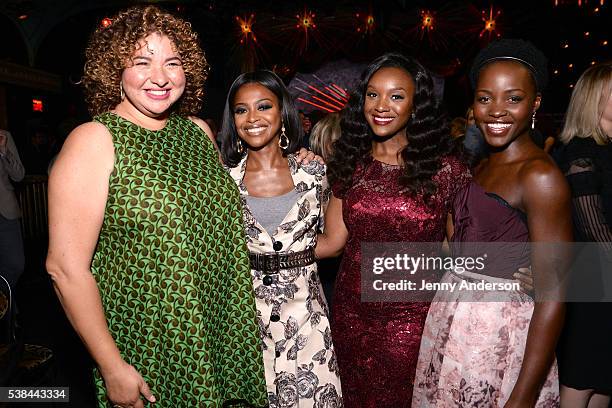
(51, 34)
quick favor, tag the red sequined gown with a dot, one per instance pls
(377, 344)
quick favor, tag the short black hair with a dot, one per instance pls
(228, 135)
(521, 51)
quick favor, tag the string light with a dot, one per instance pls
(106, 22)
(427, 20)
(490, 24)
(246, 28)
(580, 2)
(306, 20)
(367, 23)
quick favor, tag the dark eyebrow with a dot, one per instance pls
(399, 88)
(258, 101)
(507, 90)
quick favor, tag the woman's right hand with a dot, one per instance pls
(124, 384)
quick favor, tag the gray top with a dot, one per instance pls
(270, 211)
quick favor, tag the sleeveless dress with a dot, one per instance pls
(378, 343)
(173, 271)
(474, 341)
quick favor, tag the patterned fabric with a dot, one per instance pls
(378, 343)
(473, 344)
(299, 357)
(172, 268)
(472, 350)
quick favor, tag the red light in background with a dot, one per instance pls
(106, 22)
(37, 105)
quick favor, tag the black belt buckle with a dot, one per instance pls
(272, 263)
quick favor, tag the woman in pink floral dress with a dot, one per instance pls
(496, 348)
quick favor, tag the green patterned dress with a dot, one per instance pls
(173, 270)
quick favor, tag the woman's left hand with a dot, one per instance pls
(305, 156)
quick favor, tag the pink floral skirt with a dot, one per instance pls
(472, 348)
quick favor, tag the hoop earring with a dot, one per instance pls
(239, 146)
(283, 140)
(121, 90)
(533, 121)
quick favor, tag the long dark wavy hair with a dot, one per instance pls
(228, 135)
(427, 131)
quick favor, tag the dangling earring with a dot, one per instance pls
(533, 120)
(412, 115)
(121, 90)
(239, 146)
(283, 140)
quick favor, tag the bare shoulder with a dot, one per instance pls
(201, 124)
(543, 180)
(91, 144)
(90, 136)
(204, 126)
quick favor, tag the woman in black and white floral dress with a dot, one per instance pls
(283, 205)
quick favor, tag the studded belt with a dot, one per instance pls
(275, 261)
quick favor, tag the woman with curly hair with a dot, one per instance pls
(393, 176)
(146, 242)
(283, 204)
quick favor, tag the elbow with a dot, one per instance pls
(337, 252)
(56, 271)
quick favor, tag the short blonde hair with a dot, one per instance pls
(587, 104)
(324, 133)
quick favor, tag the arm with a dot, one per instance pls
(546, 199)
(332, 241)
(450, 230)
(9, 157)
(78, 188)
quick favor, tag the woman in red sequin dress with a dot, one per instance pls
(394, 178)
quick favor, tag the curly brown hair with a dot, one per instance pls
(110, 49)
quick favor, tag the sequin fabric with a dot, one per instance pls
(378, 343)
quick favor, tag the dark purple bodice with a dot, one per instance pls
(485, 223)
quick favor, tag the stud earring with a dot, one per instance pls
(283, 140)
(533, 120)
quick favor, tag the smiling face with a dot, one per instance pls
(504, 102)
(257, 116)
(154, 78)
(388, 101)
